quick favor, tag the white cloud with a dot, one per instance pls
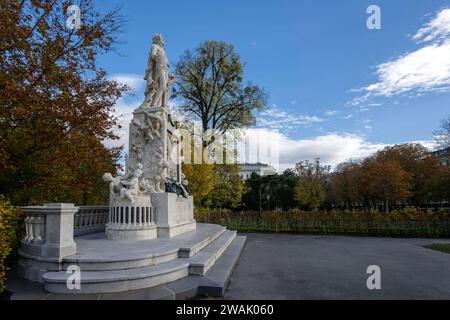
(135, 81)
(331, 113)
(349, 116)
(436, 29)
(332, 149)
(275, 118)
(425, 70)
(285, 151)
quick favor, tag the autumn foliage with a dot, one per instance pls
(55, 102)
(398, 176)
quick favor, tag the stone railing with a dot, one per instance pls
(35, 228)
(90, 219)
(49, 230)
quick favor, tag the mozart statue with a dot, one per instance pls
(157, 75)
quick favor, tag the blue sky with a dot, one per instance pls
(311, 56)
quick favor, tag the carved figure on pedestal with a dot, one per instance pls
(114, 182)
(157, 75)
(131, 186)
(138, 151)
(127, 186)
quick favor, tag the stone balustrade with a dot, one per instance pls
(131, 215)
(49, 230)
(90, 219)
(131, 221)
(35, 228)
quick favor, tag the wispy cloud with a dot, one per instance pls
(331, 113)
(425, 70)
(135, 81)
(275, 118)
(437, 29)
(332, 148)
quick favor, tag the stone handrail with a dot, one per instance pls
(90, 219)
(49, 230)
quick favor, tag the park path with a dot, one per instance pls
(283, 266)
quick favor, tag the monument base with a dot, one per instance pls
(131, 220)
(174, 214)
(169, 231)
(133, 233)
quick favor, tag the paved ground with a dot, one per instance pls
(277, 266)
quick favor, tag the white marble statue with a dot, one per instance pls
(128, 186)
(157, 75)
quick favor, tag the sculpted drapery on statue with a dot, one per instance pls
(157, 75)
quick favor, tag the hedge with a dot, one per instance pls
(400, 223)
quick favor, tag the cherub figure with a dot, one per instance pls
(131, 186)
(114, 182)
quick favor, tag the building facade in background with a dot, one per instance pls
(246, 170)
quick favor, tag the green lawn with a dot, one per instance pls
(444, 247)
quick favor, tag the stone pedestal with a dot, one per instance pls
(131, 221)
(49, 230)
(174, 214)
(48, 239)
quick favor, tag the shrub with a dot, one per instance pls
(11, 226)
(398, 223)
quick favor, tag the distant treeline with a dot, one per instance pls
(399, 176)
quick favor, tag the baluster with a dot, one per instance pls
(40, 227)
(27, 229)
(91, 218)
(96, 217)
(34, 230)
(138, 215)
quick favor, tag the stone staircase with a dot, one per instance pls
(199, 261)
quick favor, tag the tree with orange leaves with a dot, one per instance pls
(55, 102)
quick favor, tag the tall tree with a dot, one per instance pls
(310, 189)
(442, 135)
(228, 187)
(386, 181)
(200, 179)
(344, 188)
(55, 102)
(417, 161)
(258, 192)
(211, 89)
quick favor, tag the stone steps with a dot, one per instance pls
(117, 280)
(222, 270)
(215, 281)
(212, 284)
(189, 249)
(130, 263)
(205, 259)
